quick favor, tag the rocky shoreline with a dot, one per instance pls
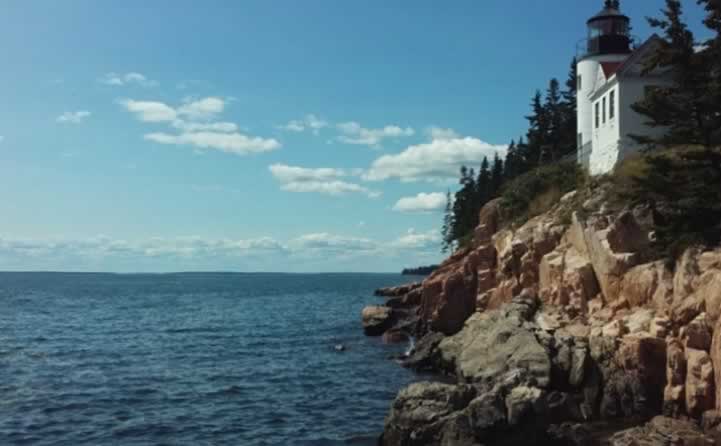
(560, 331)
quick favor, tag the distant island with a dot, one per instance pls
(419, 271)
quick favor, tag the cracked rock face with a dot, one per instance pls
(556, 333)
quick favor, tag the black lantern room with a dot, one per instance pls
(609, 31)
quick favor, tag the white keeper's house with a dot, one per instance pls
(610, 79)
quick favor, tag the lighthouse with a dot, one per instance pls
(607, 45)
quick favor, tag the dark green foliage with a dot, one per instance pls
(682, 185)
(530, 194)
(419, 271)
(683, 188)
(446, 234)
(688, 107)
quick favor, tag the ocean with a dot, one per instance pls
(192, 359)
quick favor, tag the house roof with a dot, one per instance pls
(613, 71)
(610, 68)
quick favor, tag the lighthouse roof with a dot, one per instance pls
(611, 10)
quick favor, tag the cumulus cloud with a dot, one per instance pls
(324, 180)
(150, 111)
(119, 79)
(309, 122)
(437, 160)
(354, 133)
(204, 126)
(236, 143)
(423, 202)
(75, 117)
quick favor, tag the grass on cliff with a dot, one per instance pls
(537, 191)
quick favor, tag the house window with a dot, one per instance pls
(597, 114)
(604, 109)
(612, 105)
(579, 87)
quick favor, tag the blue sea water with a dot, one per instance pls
(192, 359)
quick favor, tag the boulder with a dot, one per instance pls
(709, 291)
(496, 345)
(698, 333)
(648, 283)
(425, 354)
(674, 397)
(420, 411)
(662, 431)
(376, 319)
(700, 392)
(716, 361)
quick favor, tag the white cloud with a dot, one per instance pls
(437, 160)
(319, 180)
(418, 240)
(331, 242)
(156, 111)
(441, 133)
(102, 246)
(150, 111)
(204, 126)
(73, 117)
(354, 133)
(196, 128)
(202, 109)
(236, 143)
(119, 80)
(309, 122)
(422, 202)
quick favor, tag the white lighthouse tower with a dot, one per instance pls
(608, 43)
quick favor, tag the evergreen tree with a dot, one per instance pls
(553, 111)
(496, 177)
(685, 108)
(568, 109)
(483, 184)
(465, 215)
(446, 234)
(537, 132)
(511, 167)
(712, 57)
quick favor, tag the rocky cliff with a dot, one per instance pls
(562, 330)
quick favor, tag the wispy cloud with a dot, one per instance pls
(328, 181)
(120, 79)
(438, 160)
(194, 120)
(310, 122)
(423, 202)
(236, 143)
(354, 133)
(75, 117)
(318, 245)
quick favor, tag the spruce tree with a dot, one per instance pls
(712, 56)
(538, 128)
(553, 111)
(510, 167)
(496, 177)
(568, 109)
(446, 234)
(684, 108)
(483, 183)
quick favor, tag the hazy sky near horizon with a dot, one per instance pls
(301, 136)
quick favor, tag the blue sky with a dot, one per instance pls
(297, 136)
